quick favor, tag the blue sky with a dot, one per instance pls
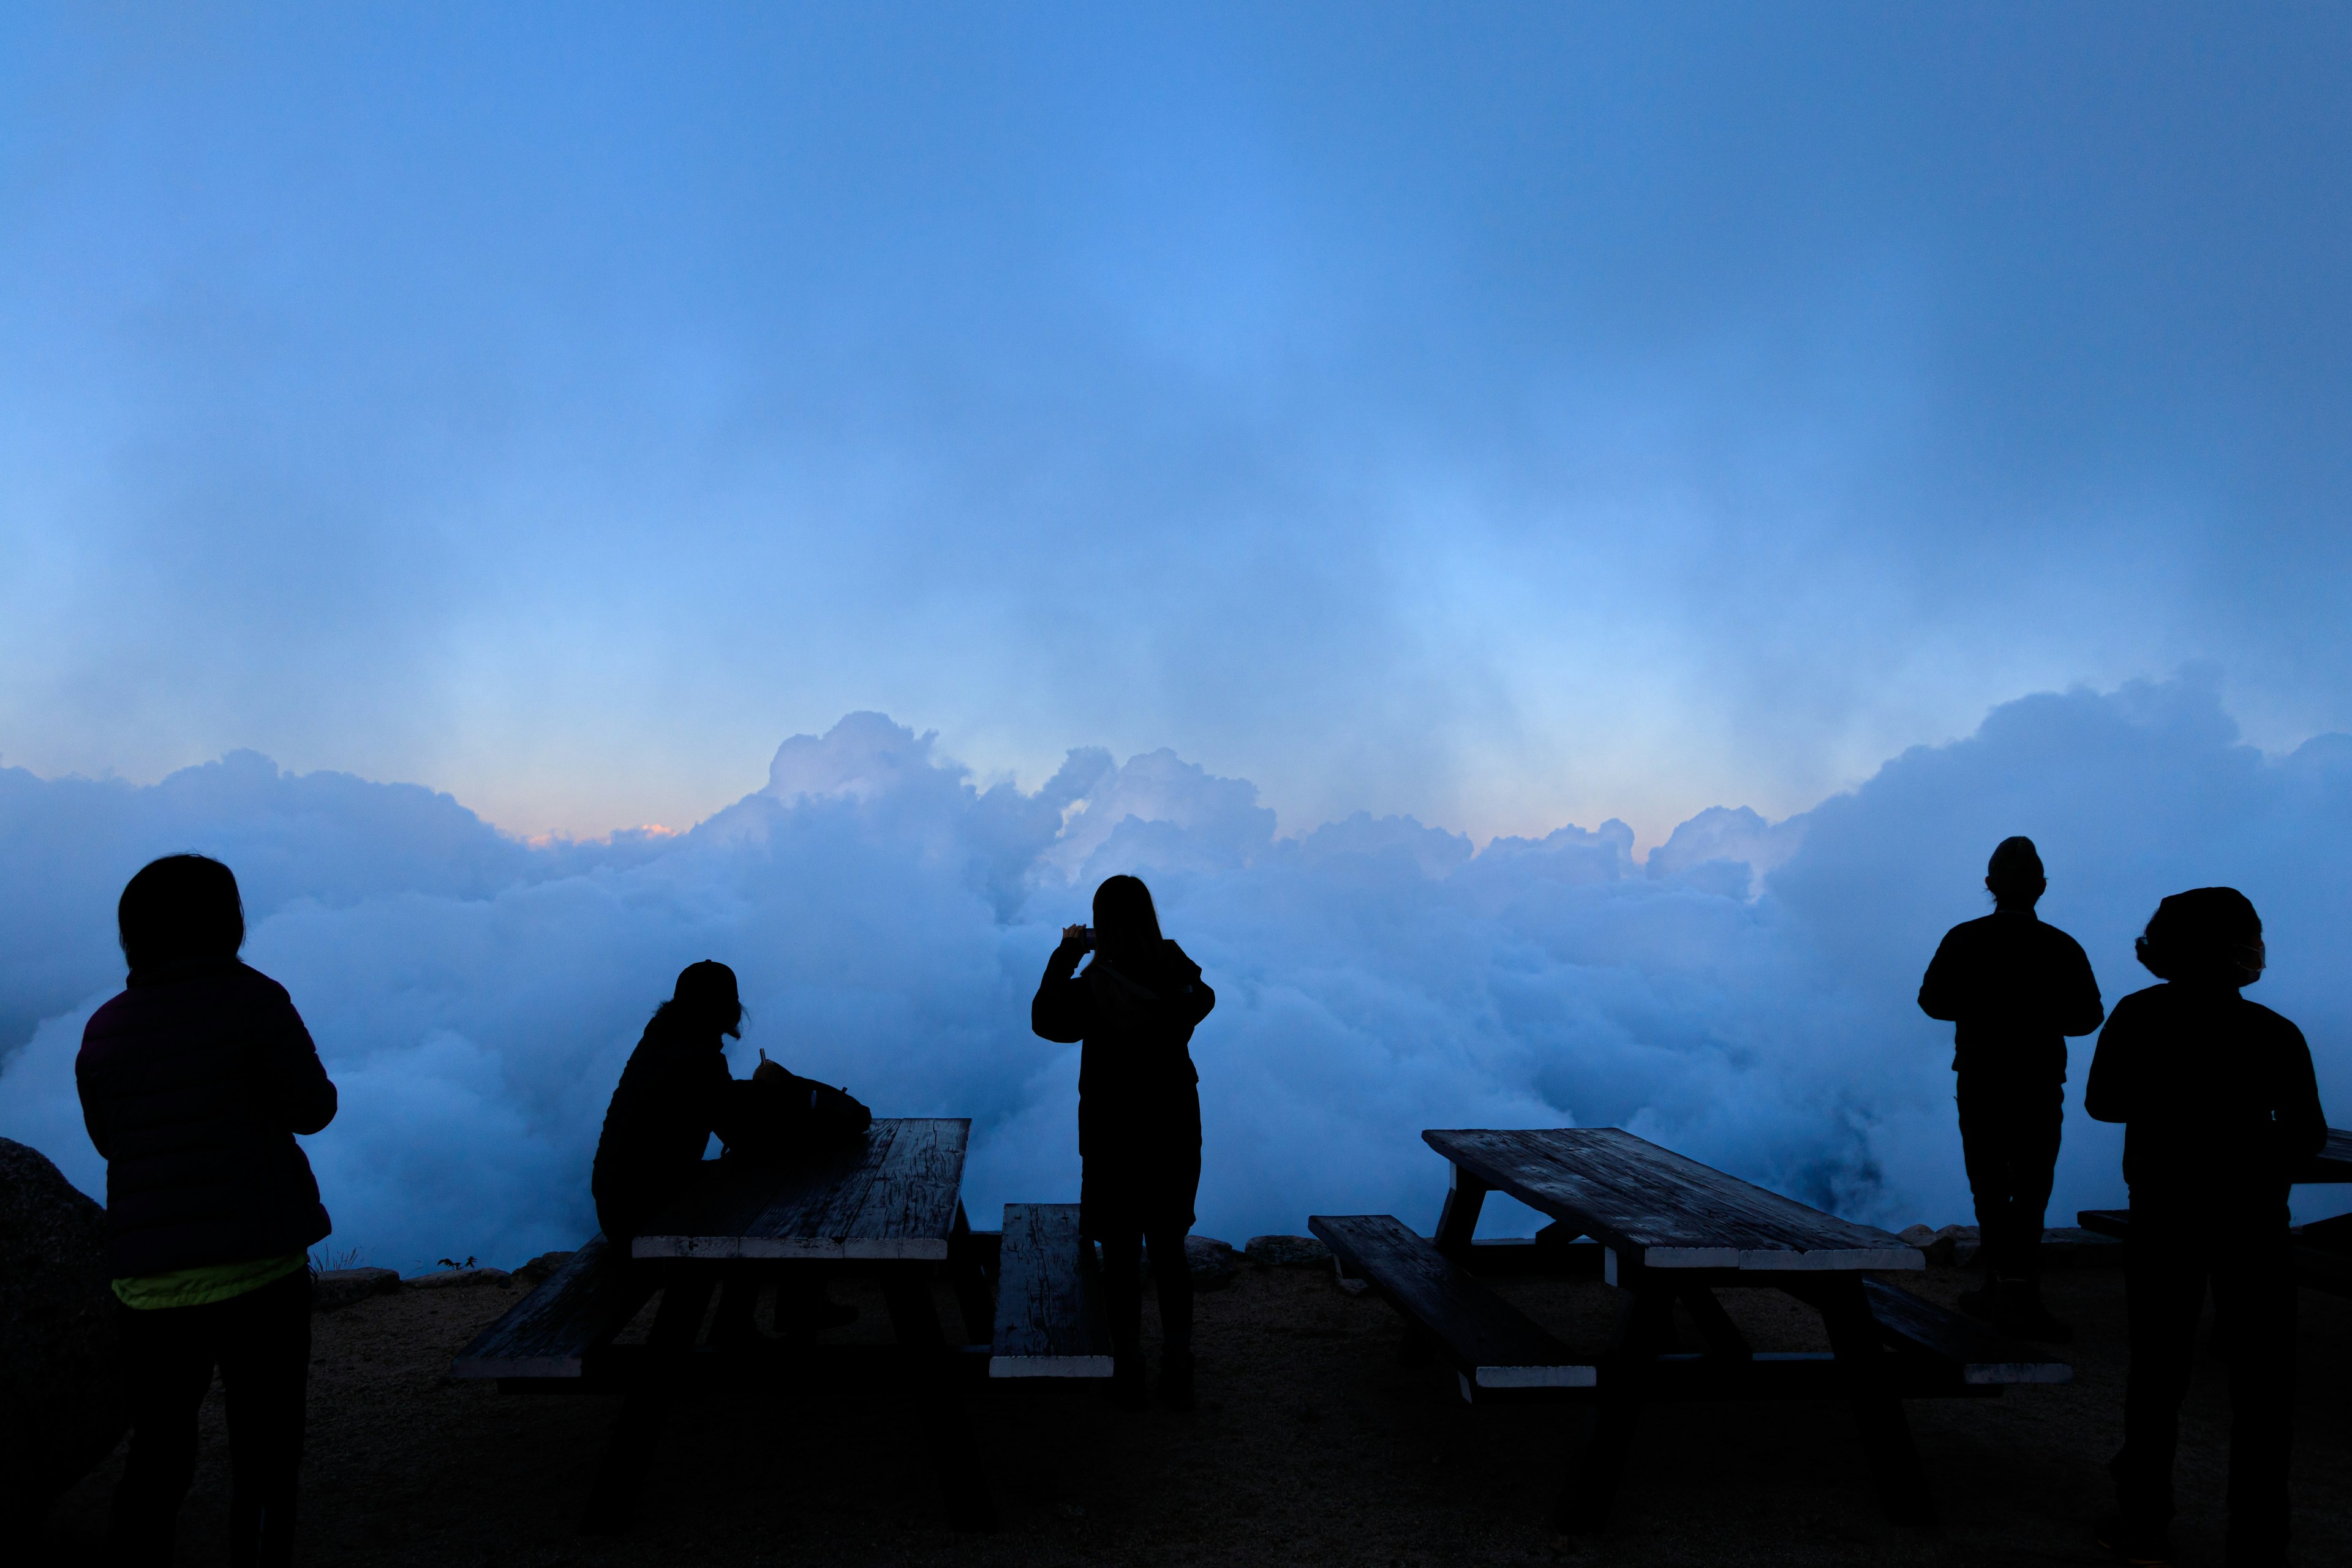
(1509, 417)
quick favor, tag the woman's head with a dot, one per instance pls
(180, 908)
(707, 996)
(2204, 934)
(1125, 920)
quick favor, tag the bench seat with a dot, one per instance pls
(1984, 1356)
(1492, 1344)
(1049, 1307)
(548, 1333)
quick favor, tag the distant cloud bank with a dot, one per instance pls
(1745, 994)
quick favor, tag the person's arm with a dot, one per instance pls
(1939, 990)
(2303, 1125)
(2079, 1010)
(100, 1137)
(1194, 1001)
(302, 1093)
(2107, 1093)
(1063, 1010)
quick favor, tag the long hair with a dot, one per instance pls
(705, 998)
(1127, 928)
(2205, 933)
(179, 908)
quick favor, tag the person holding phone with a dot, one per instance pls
(1132, 1011)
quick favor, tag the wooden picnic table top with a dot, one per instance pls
(891, 1195)
(2333, 1162)
(1659, 1209)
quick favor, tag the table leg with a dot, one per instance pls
(974, 1298)
(1456, 1223)
(1878, 1414)
(1643, 1327)
(938, 1404)
(677, 1323)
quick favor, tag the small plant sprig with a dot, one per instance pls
(453, 1263)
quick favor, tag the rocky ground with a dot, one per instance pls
(1311, 1445)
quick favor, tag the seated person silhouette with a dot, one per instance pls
(675, 1093)
(2014, 988)
(2219, 1104)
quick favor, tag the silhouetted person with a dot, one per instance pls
(2219, 1104)
(676, 1091)
(1139, 1118)
(2015, 988)
(194, 1082)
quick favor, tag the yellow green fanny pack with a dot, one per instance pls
(205, 1284)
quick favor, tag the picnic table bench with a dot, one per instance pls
(1672, 1229)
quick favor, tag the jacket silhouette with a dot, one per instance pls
(1138, 1092)
(194, 1082)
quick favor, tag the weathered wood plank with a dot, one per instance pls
(888, 1196)
(1983, 1355)
(1491, 1343)
(1663, 1209)
(1049, 1309)
(589, 1300)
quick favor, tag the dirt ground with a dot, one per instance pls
(1311, 1445)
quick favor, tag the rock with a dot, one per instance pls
(539, 1269)
(1286, 1252)
(61, 1405)
(1963, 1241)
(332, 1289)
(444, 1278)
(1213, 1263)
(1929, 1240)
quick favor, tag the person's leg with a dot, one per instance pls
(1983, 1152)
(1122, 1279)
(265, 1339)
(2033, 1124)
(2164, 1289)
(167, 1366)
(1172, 1273)
(2254, 1292)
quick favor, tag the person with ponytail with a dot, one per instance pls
(2219, 1105)
(1134, 1008)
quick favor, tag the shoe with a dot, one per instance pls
(1176, 1380)
(2142, 1546)
(2018, 1311)
(1126, 1390)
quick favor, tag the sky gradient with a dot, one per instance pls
(1509, 418)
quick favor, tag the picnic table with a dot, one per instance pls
(886, 1206)
(1672, 1229)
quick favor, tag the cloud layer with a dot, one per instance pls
(1745, 994)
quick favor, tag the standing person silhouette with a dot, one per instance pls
(2013, 988)
(194, 1083)
(2218, 1103)
(1139, 1118)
